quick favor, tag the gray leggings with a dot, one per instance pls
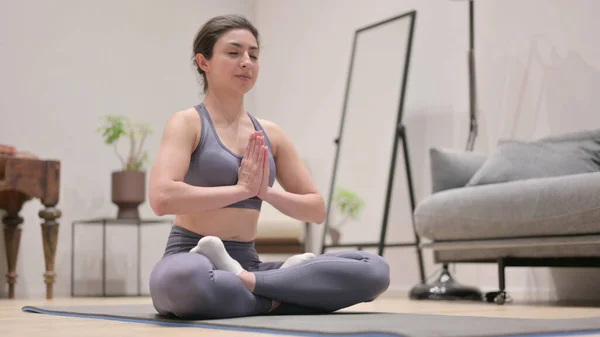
(188, 285)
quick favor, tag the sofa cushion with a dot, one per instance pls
(534, 207)
(451, 168)
(518, 160)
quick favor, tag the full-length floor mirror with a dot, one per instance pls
(371, 136)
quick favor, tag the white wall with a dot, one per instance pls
(69, 62)
(304, 68)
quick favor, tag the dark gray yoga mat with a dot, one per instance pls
(362, 324)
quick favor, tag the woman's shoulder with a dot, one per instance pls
(187, 123)
(272, 129)
(187, 118)
(276, 134)
(267, 124)
(188, 115)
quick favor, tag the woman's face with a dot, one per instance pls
(234, 65)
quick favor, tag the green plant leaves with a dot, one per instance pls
(348, 202)
(115, 127)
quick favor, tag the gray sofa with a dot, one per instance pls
(525, 204)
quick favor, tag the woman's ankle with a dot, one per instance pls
(248, 279)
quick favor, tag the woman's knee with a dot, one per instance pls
(382, 273)
(180, 284)
(374, 271)
(377, 274)
(370, 277)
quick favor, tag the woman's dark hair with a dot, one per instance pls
(211, 31)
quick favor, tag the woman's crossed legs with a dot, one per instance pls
(190, 285)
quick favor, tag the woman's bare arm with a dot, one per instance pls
(168, 193)
(301, 198)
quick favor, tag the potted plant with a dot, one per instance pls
(350, 206)
(128, 185)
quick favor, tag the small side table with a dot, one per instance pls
(112, 221)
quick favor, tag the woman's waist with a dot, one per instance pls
(231, 224)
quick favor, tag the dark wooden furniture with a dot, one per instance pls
(282, 245)
(24, 177)
(279, 246)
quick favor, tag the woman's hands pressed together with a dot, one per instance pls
(253, 173)
(264, 186)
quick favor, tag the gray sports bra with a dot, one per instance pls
(213, 164)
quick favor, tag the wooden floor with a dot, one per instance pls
(14, 322)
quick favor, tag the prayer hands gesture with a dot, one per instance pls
(253, 173)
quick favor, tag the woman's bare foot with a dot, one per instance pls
(275, 305)
(248, 279)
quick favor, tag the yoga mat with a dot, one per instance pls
(356, 324)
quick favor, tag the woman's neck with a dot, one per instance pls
(228, 107)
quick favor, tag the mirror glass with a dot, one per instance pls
(372, 111)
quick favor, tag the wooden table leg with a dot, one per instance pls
(50, 237)
(12, 238)
(12, 202)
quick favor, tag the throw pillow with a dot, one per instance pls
(593, 134)
(452, 168)
(518, 160)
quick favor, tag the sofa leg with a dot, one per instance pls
(499, 297)
(501, 276)
(445, 288)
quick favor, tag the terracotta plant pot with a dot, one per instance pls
(128, 192)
